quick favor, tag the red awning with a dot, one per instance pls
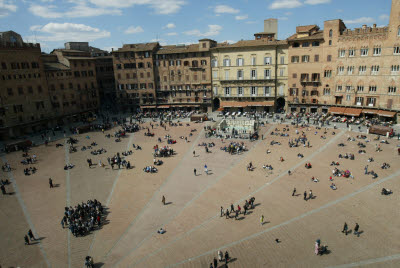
(163, 106)
(148, 107)
(386, 113)
(352, 111)
(369, 111)
(336, 110)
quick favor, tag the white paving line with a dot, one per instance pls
(112, 191)
(367, 262)
(343, 198)
(25, 210)
(68, 197)
(208, 186)
(306, 159)
(154, 196)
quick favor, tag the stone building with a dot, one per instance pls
(134, 76)
(72, 83)
(105, 81)
(183, 76)
(357, 71)
(251, 75)
(24, 103)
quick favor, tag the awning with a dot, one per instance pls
(260, 103)
(240, 104)
(352, 111)
(339, 95)
(369, 111)
(163, 106)
(220, 109)
(336, 110)
(148, 107)
(386, 113)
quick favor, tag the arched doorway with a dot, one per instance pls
(280, 104)
(216, 104)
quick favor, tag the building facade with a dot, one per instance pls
(251, 75)
(24, 103)
(357, 72)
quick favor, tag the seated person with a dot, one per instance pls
(161, 231)
(314, 179)
(386, 191)
(333, 186)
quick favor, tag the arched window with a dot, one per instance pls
(330, 33)
(172, 73)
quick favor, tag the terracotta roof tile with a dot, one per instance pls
(305, 28)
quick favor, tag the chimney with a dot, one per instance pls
(374, 25)
(364, 26)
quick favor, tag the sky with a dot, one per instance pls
(109, 24)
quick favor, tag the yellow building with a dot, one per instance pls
(250, 75)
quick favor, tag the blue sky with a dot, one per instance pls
(111, 23)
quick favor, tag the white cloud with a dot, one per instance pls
(54, 32)
(109, 49)
(81, 9)
(278, 4)
(250, 22)
(384, 17)
(283, 18)
(6, 7)
(288, 13)
(212, 31)
(159, 40)
(169, 26)
(241, 17)
(134, 30)
(225, 9)
(317, 2)
(172, 34)
(160, 6)
(362, 20)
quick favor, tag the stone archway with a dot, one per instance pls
(216, 104)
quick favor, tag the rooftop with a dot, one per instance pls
(251, 43)
(55, 66)
(138, 47)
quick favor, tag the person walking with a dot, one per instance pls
(345, 228)
(222, 211)
(206, 169)
(232, 208)
(305, 195)
(294, 191)
(366, 170)
(356, 230)
(30, 234)
(311, 195)
(262, 220)
(163, 200)
(227, 214)
(194, 170)
(236, 214)
(226, 257)
(26, 240)
(62, 223)
(194, 153)
(220, 257)
(215, 262)
(51, 183)
(239, 209)
(3, 189)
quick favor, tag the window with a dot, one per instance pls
(305, 58)
(327, 91)
(342, 53)
(10, 92)
(395, 69)
(392, 89)
(296, 44)
(316, 58)
(240, 91)
(330, 42)
(359, 100)
(214, 63)
(348, 97)
(226, 74)
(281, 72)
(330, 33)
(267, 91)
(227, 62)
(348, 88)
(267, 74)
(396, 50)
(295, 59)
(240, 74)
(339, 88)
(362, 69)
(371, 102)
(340, 70)
(253, 74)
(268, 60)
(377, 51)
(372, 88)
(315, 44)
(327, 73)
(350, 70)
(329, 58)
(282, 59)
(20, 91)
(374, 69)
(360, 88)
(203, 62)
(364, 52)
(178, 63)
(253, 60)
(305, 44)
(239, 62)
(215, 74)
(352, 52)
(253, 91)
(227, 91)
